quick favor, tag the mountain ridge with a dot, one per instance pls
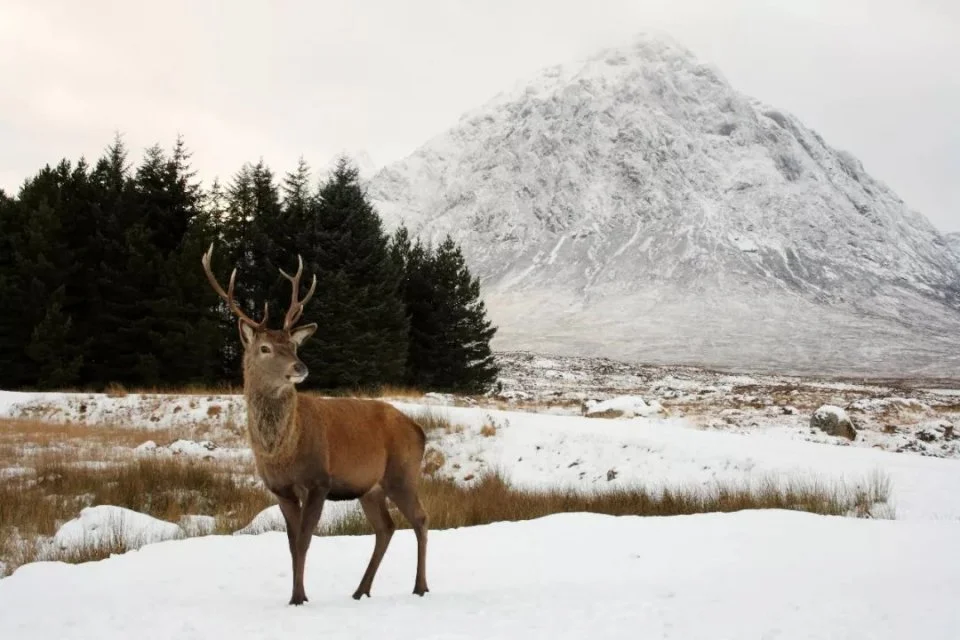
(634, 204)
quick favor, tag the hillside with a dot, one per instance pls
(635, 205)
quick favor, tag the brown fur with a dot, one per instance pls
(310, 449)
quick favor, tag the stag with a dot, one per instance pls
(309, 449)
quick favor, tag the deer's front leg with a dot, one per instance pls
(309, 517)
(292, 516)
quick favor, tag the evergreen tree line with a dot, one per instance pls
(101, 280)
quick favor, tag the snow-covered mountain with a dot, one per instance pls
(953, 241)
(635, 205)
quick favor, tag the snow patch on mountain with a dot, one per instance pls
(634, 204)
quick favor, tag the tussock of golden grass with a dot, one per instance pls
(493, 499)
(433, 461)
(488, 430)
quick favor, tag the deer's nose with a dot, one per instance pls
(300, 370)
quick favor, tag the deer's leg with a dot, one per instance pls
(290, 508)
(309, 517)
(406, 499)
(374, 504)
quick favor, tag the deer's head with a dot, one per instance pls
(270, 359)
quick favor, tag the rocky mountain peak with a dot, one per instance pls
(634, 204)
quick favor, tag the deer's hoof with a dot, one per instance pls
(297, 600)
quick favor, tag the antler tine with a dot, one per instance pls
(296, 305)
(228, 294)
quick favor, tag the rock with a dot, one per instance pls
(942, 430)
(834, 421)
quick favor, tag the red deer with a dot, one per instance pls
(309, 449)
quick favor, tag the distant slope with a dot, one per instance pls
(635, 205)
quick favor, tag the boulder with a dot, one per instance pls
(834, 421)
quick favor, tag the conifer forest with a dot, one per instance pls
(101, 280)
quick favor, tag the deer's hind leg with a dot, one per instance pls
(374, 504)
(404, 494)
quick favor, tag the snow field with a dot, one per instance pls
(751, 574)
(770, 574)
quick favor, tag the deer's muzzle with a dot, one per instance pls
(298, 373)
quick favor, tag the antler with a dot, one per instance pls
(296, 306)
(228, 294)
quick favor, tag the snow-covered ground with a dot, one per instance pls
(536, 450)
(757, 575)
(768, 574)
(902, 415)
(533, 448)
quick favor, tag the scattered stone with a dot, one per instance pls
(834, 421)
(611, 475)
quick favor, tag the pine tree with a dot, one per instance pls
(47, 350)
(177, 325)
(449, 332)
(12, 295)
(297, 199)
(114, 343)
(362, 340)
(52, 347)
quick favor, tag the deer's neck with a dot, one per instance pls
(271, 418)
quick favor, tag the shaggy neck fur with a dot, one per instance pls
(271, 419)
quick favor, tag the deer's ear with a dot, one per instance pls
(247, 333)
(300, 334)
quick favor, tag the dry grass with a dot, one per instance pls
(493, 499)
(393, 391)
(434, 421)
(52, 471)
(488, 430)
(115, 390)
(50, 434)
(34, 504)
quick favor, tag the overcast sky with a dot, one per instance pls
(249, 79)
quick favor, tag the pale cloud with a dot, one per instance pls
(244, 80)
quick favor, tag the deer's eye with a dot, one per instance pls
(264, 349)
